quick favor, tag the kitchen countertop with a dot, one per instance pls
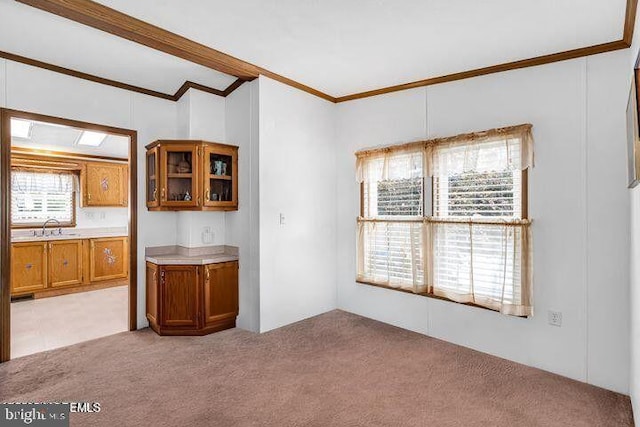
(179, 255)
(19, 236)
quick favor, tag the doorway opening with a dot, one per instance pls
(68, 244)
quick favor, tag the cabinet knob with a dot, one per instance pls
(28, 266)
(89, 196)
(155, 194)
(163, 195)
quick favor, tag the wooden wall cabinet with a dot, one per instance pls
(192, 175)
(28, 267)
(104, 184)
(47, 268)
(192, 299)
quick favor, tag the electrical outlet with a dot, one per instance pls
(103, 215)
(283, 220)
(207, 235)
(555, 318)
(90, 215)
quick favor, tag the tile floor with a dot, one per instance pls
(48, 323)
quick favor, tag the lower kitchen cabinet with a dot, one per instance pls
(109, 258)
(65, 263)
(220, 296)
(192, 299)
(28, 267)
(48, 268)
(180, 296)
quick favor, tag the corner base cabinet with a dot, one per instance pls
(192, 299)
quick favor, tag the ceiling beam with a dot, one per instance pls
(114, 22)
(117, 23)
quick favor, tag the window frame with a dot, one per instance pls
(74, 201)
(524, 200)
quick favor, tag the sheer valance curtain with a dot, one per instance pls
(473, 252)
(28, 182)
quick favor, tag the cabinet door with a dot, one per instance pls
(153, 177)
(179, 296)
(179, 170)
(152, 292)
(220, 177)
(65, 263)
(109, 258)
(105, 184)
(28, 267)
(220, 292)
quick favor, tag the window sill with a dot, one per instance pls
(63, 225)
(429, 295)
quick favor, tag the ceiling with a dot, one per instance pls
(54, 137)
(342, 47)
(39, 35)
(337, 47)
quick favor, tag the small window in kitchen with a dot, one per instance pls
(40, 195)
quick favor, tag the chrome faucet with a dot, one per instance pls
(44, 226)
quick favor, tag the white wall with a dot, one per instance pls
(634, 300)
(101, 217)
(634, 382)
(242, 226)
(31, 89)
(296, 158)
(578, 202)
(200, 115)
(297, 178)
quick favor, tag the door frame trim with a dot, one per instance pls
(5, 223)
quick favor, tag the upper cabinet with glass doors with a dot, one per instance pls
(192, 175)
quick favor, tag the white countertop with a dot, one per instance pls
(177, 259)
(18, 236)
(180, 255)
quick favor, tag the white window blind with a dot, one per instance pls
(38, 196)
(478, 181)
(476, 246)
(391, 225)
(479, 260)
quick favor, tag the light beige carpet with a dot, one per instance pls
(336, 369)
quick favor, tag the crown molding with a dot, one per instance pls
(120, 24)
(85, 76)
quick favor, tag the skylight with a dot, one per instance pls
(20, 128)
(93, 139)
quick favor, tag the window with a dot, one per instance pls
(37, 196)
(475, 248)
(393, 203)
